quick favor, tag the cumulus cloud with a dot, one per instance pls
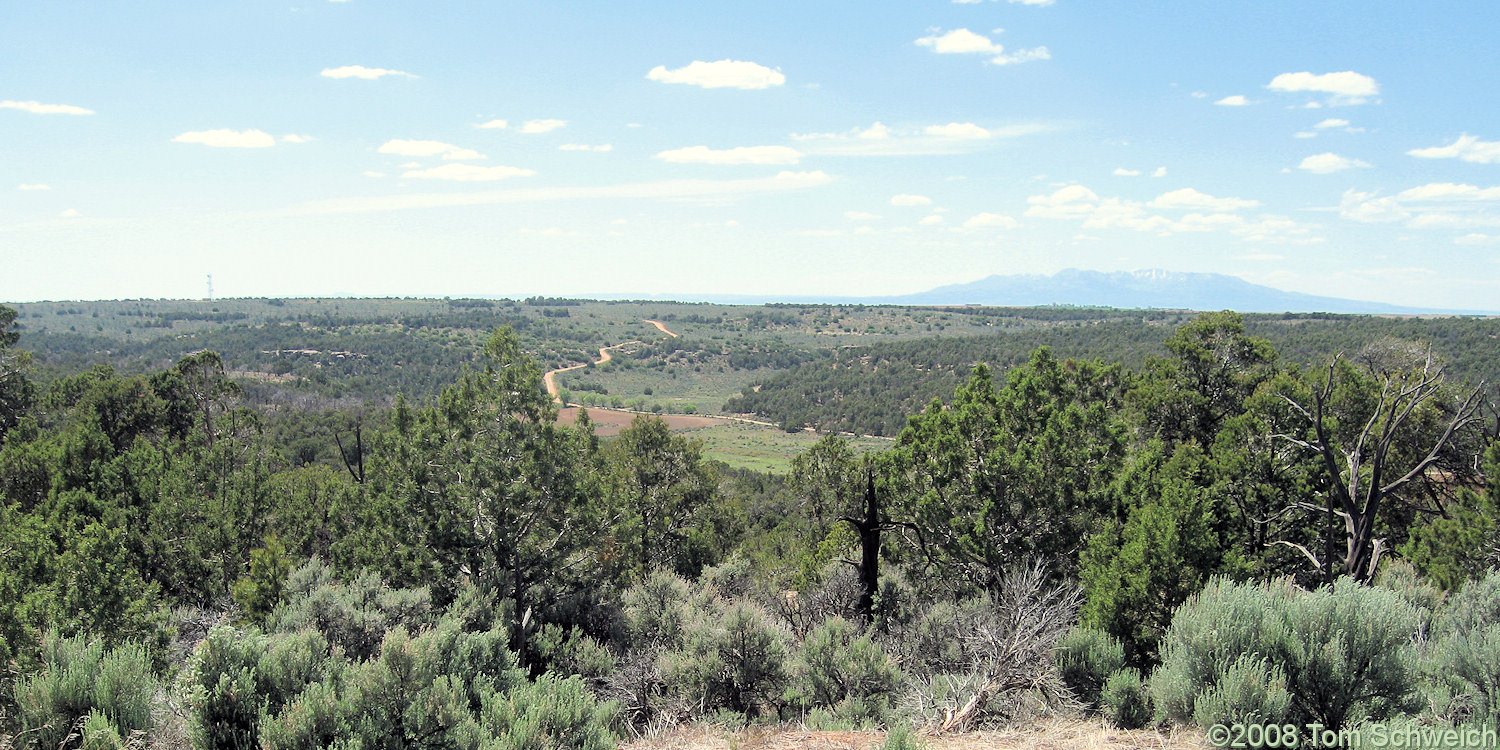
(1076, 202)
(71, 213)
(1438, 205)
(33, 186)
(1123, 172)
(1332, 122)
(932, 221)
(1468, 148)
(585, 147)
(360, 71)
(493, 125)
(739, 74)
(1347, 87)
(373, 174)
(38, 108)
(1238, 100)
(1448, 191)
(1159, 172)
(467, 173)
(1190, 199)
(225, 138)
(542, 126)
(1328, 163)
(991, 221)
(905, 199)
(740, 155)
(963, 42)
(401, 147)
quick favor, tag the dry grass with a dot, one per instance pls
(1056, 734)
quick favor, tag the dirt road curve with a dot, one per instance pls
(660, 327)
(550, 379)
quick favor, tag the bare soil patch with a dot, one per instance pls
(1048, 735)
(608, 422)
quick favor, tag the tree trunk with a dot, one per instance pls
(869, 549)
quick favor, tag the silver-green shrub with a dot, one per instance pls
(1085, 659)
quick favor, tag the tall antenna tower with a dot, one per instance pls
(210, 287)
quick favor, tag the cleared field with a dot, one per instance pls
(770, 449)
(608, 422)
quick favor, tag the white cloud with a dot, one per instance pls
(493, 125)
(585, 147)
(1188, 198)
(294, 138)
(1477, 239)
(38, 108)
(664, 189)
(722, 74)
(412, 165)
(740, 155)
(991, 221)
(963, 42)
(1160, 172)
(33, 186)
(1468, 148)
(1305, 134)
(225, 138)
(1347, 87)
(1123, 172)
(932, 221)
(905, 199)
(1332, 122)
(860, 215)
(360, 71)
(1369, 209)
(401, 147)
(71, 213)
(957, 130)
(1328, 163)
(1448, 191)
(373, 174)
(1076, 202)
(882, 140)
(1238, 100)
(467, 173)
(542, 126)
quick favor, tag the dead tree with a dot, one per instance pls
(1366, 473)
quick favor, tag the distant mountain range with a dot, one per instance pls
(1154, 289)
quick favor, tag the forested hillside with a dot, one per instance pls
(1183, 523)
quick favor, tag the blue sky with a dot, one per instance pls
(390, 147)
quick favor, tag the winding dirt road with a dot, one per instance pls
(550, 379)
(660, 327)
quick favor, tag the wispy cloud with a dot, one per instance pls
(662, 190)
(1328, 163)
(38, 108)
(360, 71)
(739, 74)
(740, 155)
(467, 173)
(881, 140)
(1238, 100)
(542, 126)
(493, 125)
(225, 138)
(401, 147)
